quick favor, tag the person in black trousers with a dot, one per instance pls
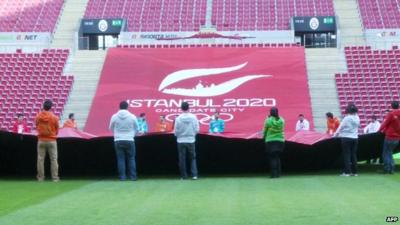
(348, 132)
(274, 141)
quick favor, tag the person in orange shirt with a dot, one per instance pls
(332, 123)
(163, 125)
(47, 129)
(70, 123)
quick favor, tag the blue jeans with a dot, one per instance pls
(125, 151)
(387, 155)
(183, 149)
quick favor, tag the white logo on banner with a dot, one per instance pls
(103, 25)
(203, 118)
(314, 23)
(205, 91)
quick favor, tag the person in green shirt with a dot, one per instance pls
(274, 140)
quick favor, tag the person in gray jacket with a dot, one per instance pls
(348, 131)
(185, 129)
(124, 126)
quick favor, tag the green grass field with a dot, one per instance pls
(294, 199)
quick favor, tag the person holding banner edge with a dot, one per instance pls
(124, 126)
(186, 128)
(274, 141)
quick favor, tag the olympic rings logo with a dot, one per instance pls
(203, 118)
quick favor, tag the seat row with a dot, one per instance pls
(23, 90)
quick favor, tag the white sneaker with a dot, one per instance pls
(344, 175)
(194, 178)
(354, 175)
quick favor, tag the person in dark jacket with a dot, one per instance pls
(391, 128)
(274, 140)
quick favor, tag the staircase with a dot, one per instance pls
(350, 25)
(322, 64)
(69, 24)
(86, 66)
(209, 13)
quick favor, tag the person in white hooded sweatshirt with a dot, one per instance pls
(124, 126)
(348, 132)
(185, 129)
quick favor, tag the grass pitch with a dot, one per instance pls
(293, 199)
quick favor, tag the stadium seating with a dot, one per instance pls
(180, 15)
(142, 15)
(27, 79)
(29, 15)
(380, 14)
(260, 45)
(372, 81)
(265, 14)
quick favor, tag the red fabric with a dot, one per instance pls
(308, 137)
(391, 125)
(137, 75)
(24, 125)
(68, 132)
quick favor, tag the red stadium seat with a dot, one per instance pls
(372, 89)
(28, 86)
(379, 14)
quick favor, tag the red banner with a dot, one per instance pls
(240, 83)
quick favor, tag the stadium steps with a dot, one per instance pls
(322, 64)
(86, 66)
(68, 25)
(209, 13)
(350, 25)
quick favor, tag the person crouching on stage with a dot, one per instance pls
(20, 126)
(217, 125)
(332, 123)
(163, 126)
(274, 141)
(348, 132)
(302, 124)
(142, 122)
(71, 122)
